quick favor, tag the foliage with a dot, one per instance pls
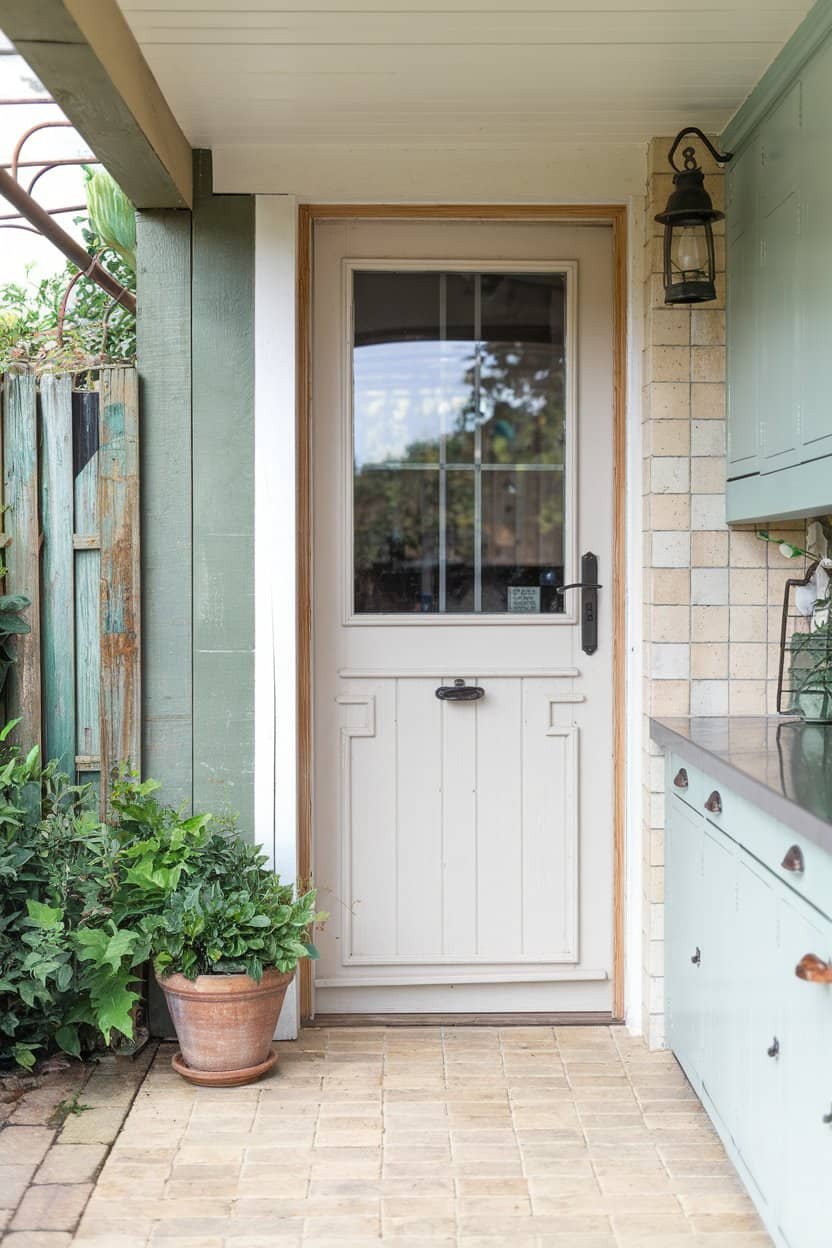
(95, 330)
(12, 625)
(810, 671)
(112, 216)
(70, 1107)
(66, 971)
(207, 900)
(83, 904)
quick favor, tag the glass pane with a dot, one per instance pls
(396, 540)
(460, 540)
(413, 363)
(522, 541)
(523, 368)
(456, 375)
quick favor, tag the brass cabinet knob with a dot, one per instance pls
(681, 779)
(813, 969)
(793, 860)
(714, 803)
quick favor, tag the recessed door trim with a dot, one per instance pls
(616, 217)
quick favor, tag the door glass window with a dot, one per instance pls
(459, 431)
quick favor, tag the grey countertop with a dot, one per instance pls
(784, 766)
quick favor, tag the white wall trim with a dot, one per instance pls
(275, 571)
(633, 984)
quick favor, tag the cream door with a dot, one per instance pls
(463, 457)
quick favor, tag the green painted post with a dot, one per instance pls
(223, 499)
(164, 362)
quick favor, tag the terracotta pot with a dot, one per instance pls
(225, 1023)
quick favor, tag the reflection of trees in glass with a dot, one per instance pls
(522, 401)
(521, 416)
(396, 535)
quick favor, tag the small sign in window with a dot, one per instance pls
(525, 598)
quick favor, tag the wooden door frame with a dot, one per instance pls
(614, 215)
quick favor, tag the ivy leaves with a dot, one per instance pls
(83, 905)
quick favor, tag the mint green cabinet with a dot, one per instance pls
(684, 897)
(754, 1039)
(815, 275)
(743, 247)
(806, 1048)
(719, 987)
(758, 1040)
(779, 311)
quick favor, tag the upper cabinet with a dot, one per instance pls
(779, 294)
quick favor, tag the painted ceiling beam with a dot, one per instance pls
(85, 55)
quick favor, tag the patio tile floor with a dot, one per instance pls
(538, 1137)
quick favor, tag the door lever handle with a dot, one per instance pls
(561, 589)
(460, 692)
(589, 587)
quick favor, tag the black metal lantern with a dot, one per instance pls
(689, 264)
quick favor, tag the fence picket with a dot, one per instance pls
(87, 577)
(118, 511)
(57, 613)
(20, 473)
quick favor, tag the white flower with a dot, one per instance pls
(787, 550)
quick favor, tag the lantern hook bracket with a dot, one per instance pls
(689, 153)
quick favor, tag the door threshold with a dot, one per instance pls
(573, 1019)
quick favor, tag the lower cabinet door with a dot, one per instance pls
(806, 1055)
(759, 1033)
(720, 1055)
(684, 844)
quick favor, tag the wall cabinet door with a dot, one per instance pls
(777, 298)
(756, 953)
(743, 250)
(684, 846)
(806, 1055)
(816, 258)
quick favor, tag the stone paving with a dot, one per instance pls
(419, 1137)
(51, 1154)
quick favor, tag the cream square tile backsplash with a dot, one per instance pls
(712, 597)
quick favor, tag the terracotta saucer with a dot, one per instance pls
(222, 1078)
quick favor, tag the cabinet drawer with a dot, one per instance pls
(685, 781)
(790, 857)
(793, 859)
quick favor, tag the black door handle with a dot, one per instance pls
(588, 585)
(460, 692)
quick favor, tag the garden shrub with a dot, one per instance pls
(84, 904)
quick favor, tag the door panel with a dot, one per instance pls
(462, 448)
(718, 963)
(807, 1078)
(684, 933)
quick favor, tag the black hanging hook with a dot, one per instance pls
(689, 153)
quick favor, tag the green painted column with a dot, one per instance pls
(164, 360)
(223, 499)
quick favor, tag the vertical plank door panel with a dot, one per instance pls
(118, 507)
(23, 553)
(87, 577)
(58, 675)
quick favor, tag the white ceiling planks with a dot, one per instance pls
(428, 71)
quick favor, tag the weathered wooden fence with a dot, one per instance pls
(71, 545)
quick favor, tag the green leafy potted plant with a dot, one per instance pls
(224, 933)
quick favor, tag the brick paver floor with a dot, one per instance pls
(419, 1137)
